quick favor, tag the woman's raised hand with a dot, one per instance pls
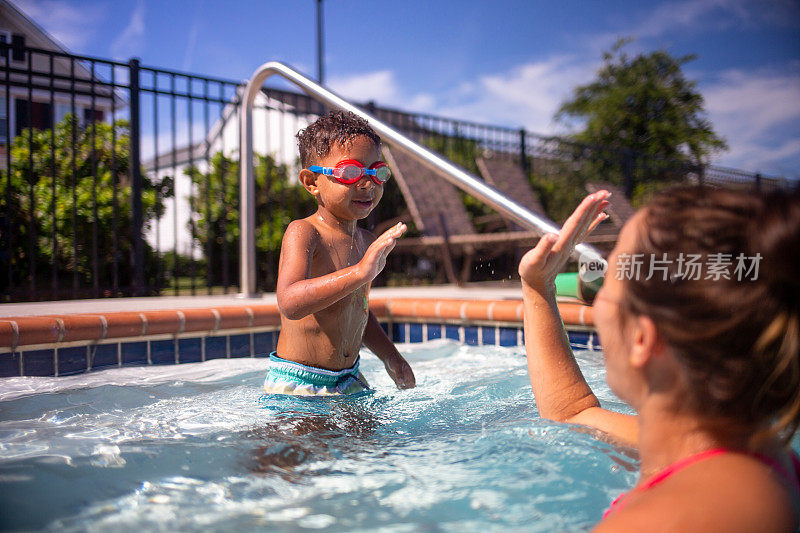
(538, 267)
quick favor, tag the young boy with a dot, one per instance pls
(327, 264)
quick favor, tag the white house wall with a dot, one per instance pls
(161, 233)
(274, 133)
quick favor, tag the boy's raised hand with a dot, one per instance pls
(375, 257)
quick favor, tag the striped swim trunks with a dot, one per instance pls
(289, 377)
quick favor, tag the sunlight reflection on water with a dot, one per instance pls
(196, 447)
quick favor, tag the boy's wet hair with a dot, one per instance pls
(337, 127)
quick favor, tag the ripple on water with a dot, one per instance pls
(196, 448)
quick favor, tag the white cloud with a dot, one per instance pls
(758, 112)
(131, 41)
(709, 15)
(527, 95)
(191, 41)
(421, 102)
(71, 26)
(381, 87)
(673, 15)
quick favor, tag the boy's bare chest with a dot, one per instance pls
(336, 254)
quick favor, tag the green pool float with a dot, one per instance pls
(570, 284)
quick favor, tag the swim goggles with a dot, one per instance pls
(349, 171)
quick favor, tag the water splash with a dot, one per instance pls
(193, 448)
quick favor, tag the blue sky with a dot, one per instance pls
(506, 62)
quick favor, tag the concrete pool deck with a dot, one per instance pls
(477, 291)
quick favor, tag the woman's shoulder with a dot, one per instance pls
(728, 492)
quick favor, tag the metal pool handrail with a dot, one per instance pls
(457, 176)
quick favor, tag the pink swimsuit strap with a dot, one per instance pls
(793, 480)
(661, 476)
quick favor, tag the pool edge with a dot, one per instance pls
(63, 344)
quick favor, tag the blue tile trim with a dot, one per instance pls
(471, 335)
(103, 355)
(451, 332)
(415, 333)
(578, 339)
(240, 345)
(487, 335)
(398, 332)
(190, 350)
(508, 337)
(385, 327)
(39, 363)
(72, 360)
(596, 342)
(9, 364)
(134, 353)
(264, 343)
(162, 352)
(216, 347)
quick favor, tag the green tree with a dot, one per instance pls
(100, 156)
(645, 114)
(558, 177)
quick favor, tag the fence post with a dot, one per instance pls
(136, 181)
(758, 181)
(523, 159)
(627, 168)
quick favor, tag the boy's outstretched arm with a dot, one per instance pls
(299, 296)
(381, 345)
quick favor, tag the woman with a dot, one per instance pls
(710, 365)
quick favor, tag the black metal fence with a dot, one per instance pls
(121, 179)
(106, 186)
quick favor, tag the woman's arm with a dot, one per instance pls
(559, 387)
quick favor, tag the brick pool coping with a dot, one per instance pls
(60, 329)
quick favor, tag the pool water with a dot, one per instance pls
(194, 447)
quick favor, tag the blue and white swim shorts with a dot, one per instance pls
(288, 377)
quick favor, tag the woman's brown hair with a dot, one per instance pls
(738, 338)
